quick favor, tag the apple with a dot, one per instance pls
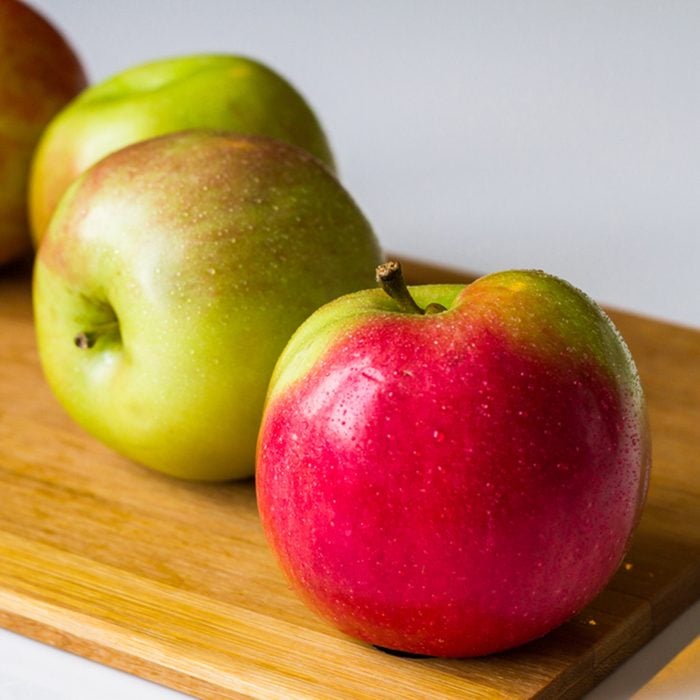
(217, 91)
(172, 275)
(453, 470)
(39, 73)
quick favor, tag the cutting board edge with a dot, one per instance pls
(64, 638)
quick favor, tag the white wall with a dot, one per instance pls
(484, 135)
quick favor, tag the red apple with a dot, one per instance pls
(39, 73)
(459, 482)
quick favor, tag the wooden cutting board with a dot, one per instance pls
(174, 582)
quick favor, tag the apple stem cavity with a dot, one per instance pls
(87, 339)
(390, 278)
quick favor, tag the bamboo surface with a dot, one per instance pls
(174, 582)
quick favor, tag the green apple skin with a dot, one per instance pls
(39, 74)
(220, 92)
(189, 260)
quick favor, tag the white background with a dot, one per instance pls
(482, 135)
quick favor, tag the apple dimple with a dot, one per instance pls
(155, 76)
(102, 326)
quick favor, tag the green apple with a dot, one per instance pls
(172, 275)
(39, 74)
(203, 91)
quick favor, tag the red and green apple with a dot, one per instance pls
(453, 470)
(216, 91)
(39, 74)
(172, 275)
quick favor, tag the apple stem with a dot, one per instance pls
(390, 277)
(87, 339)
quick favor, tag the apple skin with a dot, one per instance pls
(209, 91)
(39, 74)
(209, 249)
(453, 484)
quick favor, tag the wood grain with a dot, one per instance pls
(174, 582)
